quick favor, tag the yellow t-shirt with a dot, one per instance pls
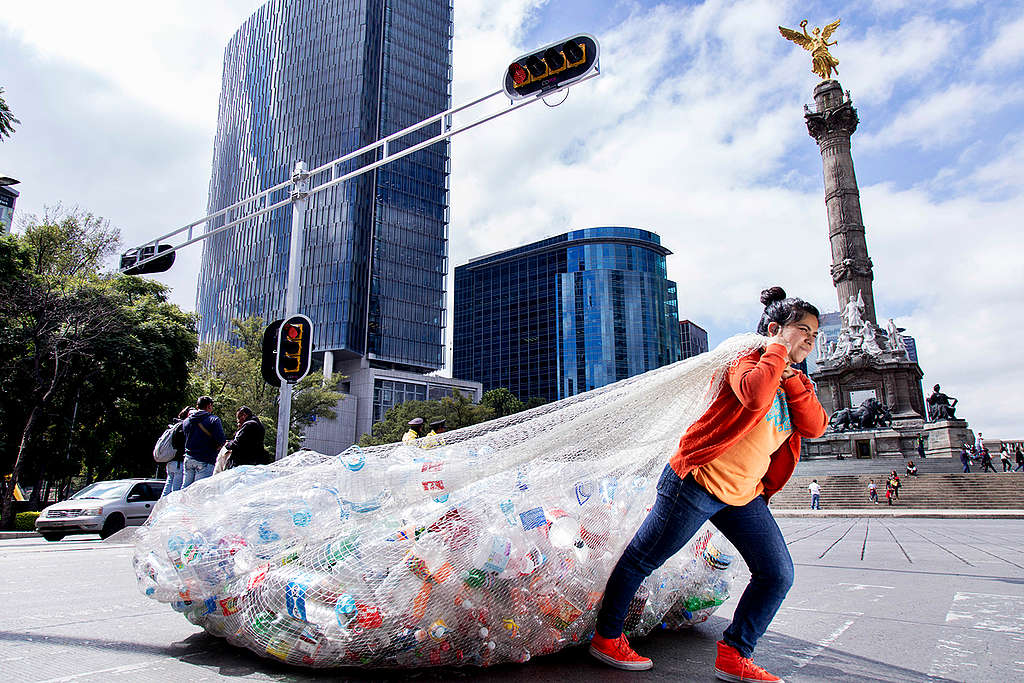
(410, 435)
(734, 477)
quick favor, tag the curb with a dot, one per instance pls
(908, 512)
(18, 534)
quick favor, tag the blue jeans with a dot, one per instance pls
(196, 470)
(681, 508)
(815, 501)
(174, 475)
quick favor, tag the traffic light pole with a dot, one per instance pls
(322, 178)
(299, 194)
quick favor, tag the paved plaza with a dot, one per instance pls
(874, 600)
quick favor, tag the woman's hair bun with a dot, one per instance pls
(771, 295)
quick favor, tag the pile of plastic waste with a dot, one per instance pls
(329, 565)
(491, 543)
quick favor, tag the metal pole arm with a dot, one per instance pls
(258, 204)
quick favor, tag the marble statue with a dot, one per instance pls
(853, 314)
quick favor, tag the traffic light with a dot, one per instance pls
(294, 348)
(550, 67)
(268, 363)
(159, 265)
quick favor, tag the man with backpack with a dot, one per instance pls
(204, 435)
(247, 447)
(175, 466)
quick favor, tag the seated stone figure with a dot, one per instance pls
(941, 406)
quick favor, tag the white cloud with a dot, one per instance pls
(945, 117)
(1007, 49)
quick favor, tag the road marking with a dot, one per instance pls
(113, 670)
(999, 613)
(819, 647)
(900, 545)
(836, 541)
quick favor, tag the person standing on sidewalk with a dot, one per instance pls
(815, 494)
(204, 435)
(738, 454)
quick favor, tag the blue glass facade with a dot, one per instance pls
(566, 314)
(313, 80)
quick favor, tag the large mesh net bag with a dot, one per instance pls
(489, 544)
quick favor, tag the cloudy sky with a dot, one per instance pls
(694, 130)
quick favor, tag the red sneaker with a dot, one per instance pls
(617, 652)
(732, 666)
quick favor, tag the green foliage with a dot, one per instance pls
(502, 401)
(457, 411)
(6, 118)
(92, 364)
(25, 521)
(534, 402)
(230, 373)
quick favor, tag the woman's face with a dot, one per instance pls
(801, 336)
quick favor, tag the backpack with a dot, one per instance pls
(166, 449)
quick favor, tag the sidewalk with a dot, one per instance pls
(895, 511)
(18, 534)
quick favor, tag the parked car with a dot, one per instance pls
(104, 508)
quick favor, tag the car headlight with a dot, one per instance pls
(92, 512)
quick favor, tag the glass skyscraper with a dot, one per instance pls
(566, 314)
(313, 80)
(693, 338)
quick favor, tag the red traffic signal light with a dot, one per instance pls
(294, 349)
(551, 67)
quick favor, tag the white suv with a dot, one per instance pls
(104, 508)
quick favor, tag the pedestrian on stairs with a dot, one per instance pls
(815, 495)
(986, 461)
(965, 459)
(873, 492)
(890, 489)
(1004, 456)
(1019, 454)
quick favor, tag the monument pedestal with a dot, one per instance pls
(898, 442)
(943, 438)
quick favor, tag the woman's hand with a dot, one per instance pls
(779, 339)
(788, 372)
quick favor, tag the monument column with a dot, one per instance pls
(831, 124)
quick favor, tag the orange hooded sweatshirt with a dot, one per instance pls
(743, 401)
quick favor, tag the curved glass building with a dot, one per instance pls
(566, 314)
(313, 80)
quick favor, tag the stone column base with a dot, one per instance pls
(942, 439)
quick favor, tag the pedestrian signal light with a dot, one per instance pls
(157, 265)
(553, 66)
(294, 348)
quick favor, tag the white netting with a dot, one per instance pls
(488, 544)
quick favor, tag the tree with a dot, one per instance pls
(502, 401)
(457, 411)
(102, 353)
(6, 118)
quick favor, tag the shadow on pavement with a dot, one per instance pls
(685, 655)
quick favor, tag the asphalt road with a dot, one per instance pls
(874, 600)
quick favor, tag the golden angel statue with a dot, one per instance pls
(822, 63)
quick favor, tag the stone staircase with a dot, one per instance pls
(930, 491)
